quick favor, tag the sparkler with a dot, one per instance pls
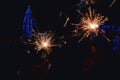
(44, 41)
(90, 24)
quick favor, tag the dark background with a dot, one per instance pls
(67, 61)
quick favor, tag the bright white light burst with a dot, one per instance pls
(42, 41)
(90, 24)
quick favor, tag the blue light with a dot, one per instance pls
(119, 29)
(111, 28)
(27, 24)
(94, 35)
(81, 1)
(116, 40)
(116, 43)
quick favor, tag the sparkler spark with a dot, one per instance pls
(112, 3)
(66, 21)
(90, 24)
(60, 14)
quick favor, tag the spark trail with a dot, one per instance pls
(66, 21)
(112, 3)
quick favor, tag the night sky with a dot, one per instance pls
(68, 62)
(46, 13)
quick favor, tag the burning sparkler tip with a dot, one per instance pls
(89, 24)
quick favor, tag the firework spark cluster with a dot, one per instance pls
(90, 23)
(45, 42)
